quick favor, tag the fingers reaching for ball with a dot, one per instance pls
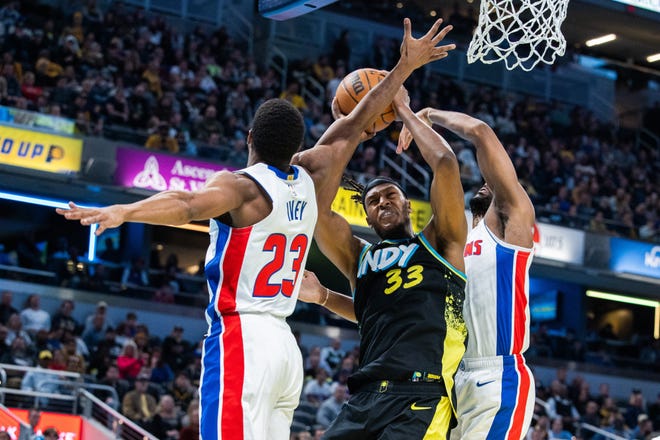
(405, 138)
(416, 52)
(336, 111)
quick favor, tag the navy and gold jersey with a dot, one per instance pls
(409, 306)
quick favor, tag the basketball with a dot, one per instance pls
(354, 87)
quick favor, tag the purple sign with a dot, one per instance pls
(156, 171)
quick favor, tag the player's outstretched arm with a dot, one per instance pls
(222, 193)
(312, 291)
(414, 53)
(510, 198)
(447, 230)
(328, 159)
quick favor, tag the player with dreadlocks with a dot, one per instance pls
(408, 299)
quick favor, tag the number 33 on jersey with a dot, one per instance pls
(394, 260)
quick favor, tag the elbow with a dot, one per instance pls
(445, 160)
(478, 129)
(189, 215)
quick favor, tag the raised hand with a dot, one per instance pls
(417, 52)
(109, 217)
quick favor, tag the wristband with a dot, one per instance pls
(327, 295)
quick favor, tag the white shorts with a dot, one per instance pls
(494, 398)
(251, 380)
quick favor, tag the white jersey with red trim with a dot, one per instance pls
(257, 269)
(496, 308)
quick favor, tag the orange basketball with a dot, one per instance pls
(354, 87)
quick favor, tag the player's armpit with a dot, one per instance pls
(335, 239)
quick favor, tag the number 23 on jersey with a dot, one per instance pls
(266, 285)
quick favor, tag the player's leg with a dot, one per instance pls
(478, 397)
(416, 417)
(221, 383)
(516, 400)
(525, 401)
(353, 419)
(289, 383)
(498, 400)
(461, 380)
(273, 377)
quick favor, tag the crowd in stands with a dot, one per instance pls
(195, 93)
(159, 281)
(156, 376)
(164, 281)
(567, 405)
(600, 346)
(137, 77)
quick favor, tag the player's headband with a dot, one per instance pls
(380, 181)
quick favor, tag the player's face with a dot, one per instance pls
(484, 192)
(481, 201)
(388, 211)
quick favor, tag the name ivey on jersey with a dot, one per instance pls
(295, 208)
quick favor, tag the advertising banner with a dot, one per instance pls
(68, 426)
(651, 5)
(353, 211)
(26, 118)
(158, 172)
(39, 151)
(559, 243)
(635, 257)
(9, 425)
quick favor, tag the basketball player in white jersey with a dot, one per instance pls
(494, 387)
(262, 222)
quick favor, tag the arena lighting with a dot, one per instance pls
(600, 40)
(653, 58)
(286, 9)
(91, 249)
(623, 298)
(51, 203)
(635, 301)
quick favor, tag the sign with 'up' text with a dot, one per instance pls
(39, 151)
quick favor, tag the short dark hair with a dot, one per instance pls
(277, 131)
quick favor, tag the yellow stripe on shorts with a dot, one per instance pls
(439, 427)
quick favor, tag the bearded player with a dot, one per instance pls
(494, 387)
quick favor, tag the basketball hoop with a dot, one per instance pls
(520, 32)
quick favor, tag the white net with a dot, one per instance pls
(520, 32)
